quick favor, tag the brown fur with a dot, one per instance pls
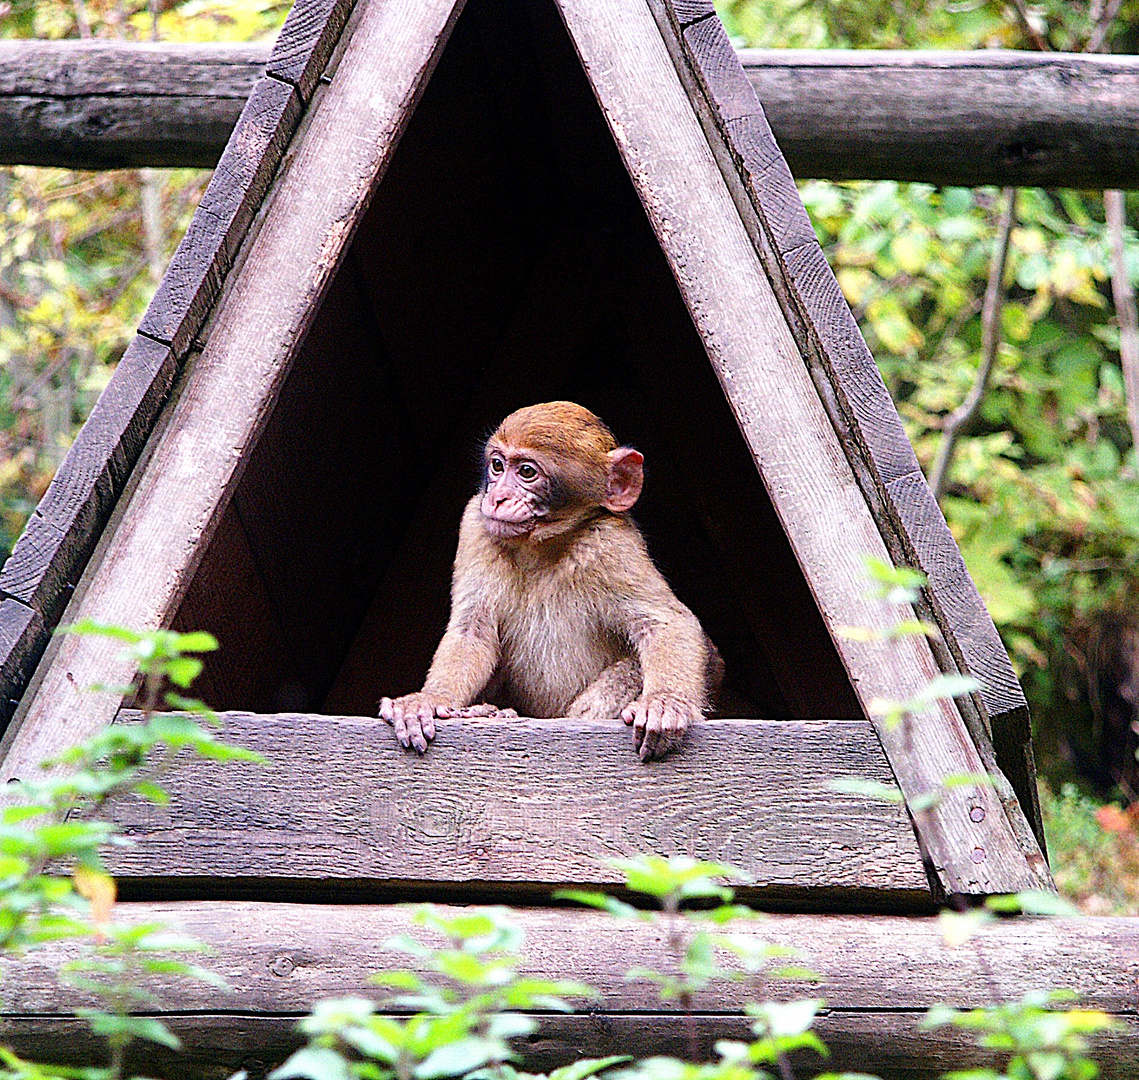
(556, 607)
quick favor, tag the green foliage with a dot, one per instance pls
(1041, 1041)
(52, 823)
(1095, 865)
(465, 1014)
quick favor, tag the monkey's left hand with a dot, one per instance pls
(659, 722)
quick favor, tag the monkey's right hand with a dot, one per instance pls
(413, 717)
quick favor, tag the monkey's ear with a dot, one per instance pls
(625, 480)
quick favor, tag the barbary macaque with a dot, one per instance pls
(556, 607)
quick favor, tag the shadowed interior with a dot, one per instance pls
(505, 260)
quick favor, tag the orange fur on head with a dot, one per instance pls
(560, 428)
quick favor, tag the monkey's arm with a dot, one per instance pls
(464, 660)
(463, 664)
(674, 659)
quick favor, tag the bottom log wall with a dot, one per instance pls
(878, 975)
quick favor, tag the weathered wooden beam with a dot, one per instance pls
(878, 975)
(106, 105)
(984, 117)
(523, 806)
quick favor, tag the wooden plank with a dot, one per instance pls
(107, 105)
(231, 387)
(22, 638)
(982, 650)
(891, 1044)
(822, 507)
(879, 976)
(862, 412)
(306, 41)
(689, 11)
(48, 558)
(194, 277)
(530, 805)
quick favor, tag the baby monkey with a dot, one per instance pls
(556, 607)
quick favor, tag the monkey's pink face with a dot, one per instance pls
(516, 493)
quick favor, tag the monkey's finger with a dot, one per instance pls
(415, 733)
(653, 731)
(638, 722)
(675, 725)
(401, 732)
(628, 713)
(386, 709)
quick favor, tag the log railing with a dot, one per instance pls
(985, 117)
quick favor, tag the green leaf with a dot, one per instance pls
(196, 641)
(598, 900)
(183, 670)
(587, 1067)
(149, 1028)
(457, 1058)
(314, 1063)
(1032, 902)
(871, 789)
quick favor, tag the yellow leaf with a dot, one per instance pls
(98, 888)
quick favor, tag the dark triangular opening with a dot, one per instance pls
(505, 260)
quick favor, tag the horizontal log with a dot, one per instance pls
(984, 117)
(106, 105)
(878, 975)
(523, 805)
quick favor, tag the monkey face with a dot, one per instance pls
(516, 492)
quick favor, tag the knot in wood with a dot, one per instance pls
(282, 966)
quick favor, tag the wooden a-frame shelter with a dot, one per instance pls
(429, 214)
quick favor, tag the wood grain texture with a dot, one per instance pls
(688, 11)
(794, 445)
(194, 277)
(856, 399)
(892, 1044)
(22, 638)
(992, 116)
(48, 558)
(982, 117)
(533, 803)
(232, 385)
(306, 41)
(107, 105)
(878, 976)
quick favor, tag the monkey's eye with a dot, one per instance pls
(496, 466)
(527, 471)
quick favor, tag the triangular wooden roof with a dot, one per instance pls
(194, 396)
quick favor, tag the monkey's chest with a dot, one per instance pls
(551, 651)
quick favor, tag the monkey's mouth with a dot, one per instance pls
(509, 518)
(507, 530)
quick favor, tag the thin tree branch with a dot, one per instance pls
(1038, 40)
(958, 421)
(1103, 25)
(1123, 294)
